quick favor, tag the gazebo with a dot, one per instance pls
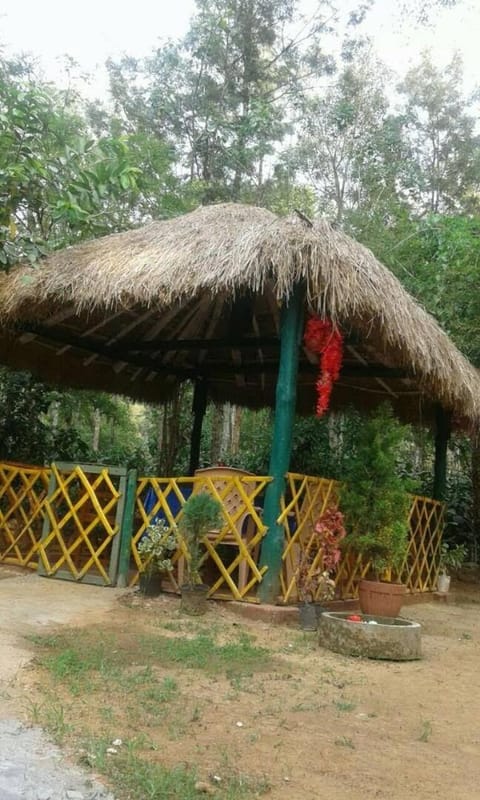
(220, 297)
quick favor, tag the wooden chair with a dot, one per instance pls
(232, 502)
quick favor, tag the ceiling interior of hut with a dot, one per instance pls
(233, 345)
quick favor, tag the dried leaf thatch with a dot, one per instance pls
(224, 252)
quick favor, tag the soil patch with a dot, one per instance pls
(293, 720)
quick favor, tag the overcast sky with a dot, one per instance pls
(93, 30)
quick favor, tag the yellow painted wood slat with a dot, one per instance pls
(162, 488)
(239, 574)
(308, 498)
(82, 507)
(23, 491)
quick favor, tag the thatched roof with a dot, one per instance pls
(111, 314)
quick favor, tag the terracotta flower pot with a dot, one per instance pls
(381, 599)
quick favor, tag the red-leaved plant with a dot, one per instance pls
(314, 576)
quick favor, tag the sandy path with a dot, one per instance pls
(31, 768)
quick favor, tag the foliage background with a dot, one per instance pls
(254, 105)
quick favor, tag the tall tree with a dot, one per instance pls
(348, 146)
(57, 183)
(442, 172)
(220, 95)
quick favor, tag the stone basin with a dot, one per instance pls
(391, 638)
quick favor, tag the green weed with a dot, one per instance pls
(344, 741)
(344, 705)
(426, 731)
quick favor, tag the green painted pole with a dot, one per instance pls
(199, 407)
(442, 435)
(126, 529)
(291, 327)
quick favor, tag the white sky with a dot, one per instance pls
(93, 30)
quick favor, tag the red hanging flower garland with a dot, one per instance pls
(321, 338)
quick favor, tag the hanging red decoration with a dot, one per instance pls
(321, 338)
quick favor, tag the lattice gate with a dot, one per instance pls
(82, 523)
(23, 492)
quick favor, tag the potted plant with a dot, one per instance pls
(375, 501)
(451, 557)
(156, 548)
(201, 514)
(317, 563)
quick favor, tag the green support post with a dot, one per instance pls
(126, 530)
(442, 435)
(199, 407)
(291, 328)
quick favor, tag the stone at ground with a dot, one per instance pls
(31, 768)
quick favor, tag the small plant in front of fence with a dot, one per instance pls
(201, 514)
(156, 549)
(451, 557)
(317, 564)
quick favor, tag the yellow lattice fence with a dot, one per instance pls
(82, 523)
(421, 567)
(23, 493)
(230, 562)
(308, 497)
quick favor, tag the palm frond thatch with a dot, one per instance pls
(224, 252)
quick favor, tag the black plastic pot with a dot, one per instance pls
(150, 584)
(307, 615)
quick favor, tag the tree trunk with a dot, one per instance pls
(97, 419)
(236, 429)
(226, 439)
(217, 420)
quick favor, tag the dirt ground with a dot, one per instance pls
(316, 724)
(31, 604)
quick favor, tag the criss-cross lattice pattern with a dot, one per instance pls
(82, 522)
(421, 567)
(23, 492)
(80, 510)
(308, 497)
(231, 552)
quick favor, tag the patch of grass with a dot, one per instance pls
(52, 716)
(426, 731)
(201, 652)
(135, 777)
(124, 691)
(159, 693)
(345, 741)
(308, 706)
(344, 705)
(175, 627)
(72, 657)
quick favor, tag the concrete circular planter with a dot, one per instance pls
(391, 638)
